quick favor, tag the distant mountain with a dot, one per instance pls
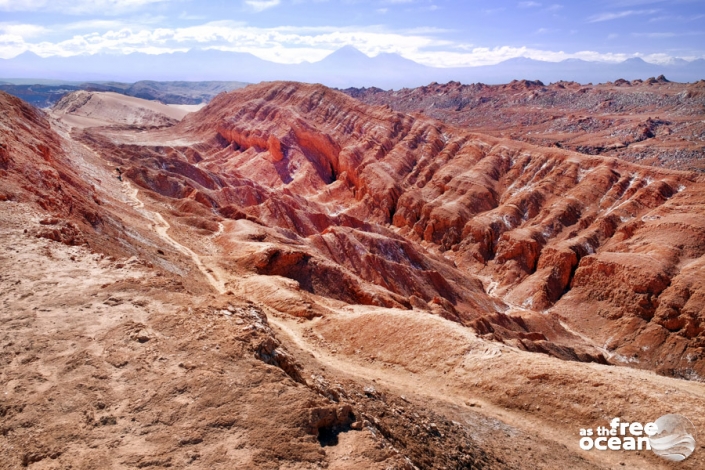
(38, 81)
(191, 66)
(347, 67)
(569, 70)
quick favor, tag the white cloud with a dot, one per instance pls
(529, 4)
(619, 14)
(676, 18)
(261, 5)
(281, 44)
(76, 7)
(188, 16)
(100, 25)
(11, 45)
(291, 44)
(96, 25)
(632, 3)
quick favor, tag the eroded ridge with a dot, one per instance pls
(366, 205)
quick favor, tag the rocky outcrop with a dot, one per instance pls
(270, 352)
(614, 119)
(326, 423)
(367, 205)
(61, 231)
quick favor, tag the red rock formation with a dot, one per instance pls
(653, 122)
(34, 168)
(390, 209)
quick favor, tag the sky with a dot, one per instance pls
(438, 33)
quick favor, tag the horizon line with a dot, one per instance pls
(351, 47)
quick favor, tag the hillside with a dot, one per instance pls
(653, 122)
(291, 278)
(91, 109)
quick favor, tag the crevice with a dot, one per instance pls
(333, 174)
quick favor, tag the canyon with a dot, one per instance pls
(292, 277)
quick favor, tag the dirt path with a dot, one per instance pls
(400, 383)
(161, 226)
(427, 387)
(430, 390)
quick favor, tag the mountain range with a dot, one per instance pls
(346, 67)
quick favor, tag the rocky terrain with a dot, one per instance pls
(44, 95)
(290, 278)
(652, 122)
(39, 95)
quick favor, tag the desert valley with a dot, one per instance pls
(298, 277)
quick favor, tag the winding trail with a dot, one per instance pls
(424, 387)
(161, 226)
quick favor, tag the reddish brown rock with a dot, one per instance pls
(372, 206)
(653, 122)
(36, 169)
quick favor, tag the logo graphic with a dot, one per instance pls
(671, 436)
(675, 439)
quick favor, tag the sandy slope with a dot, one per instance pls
(189, 108)
(92, 109)
(119, 363)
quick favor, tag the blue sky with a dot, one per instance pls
(441, 33)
